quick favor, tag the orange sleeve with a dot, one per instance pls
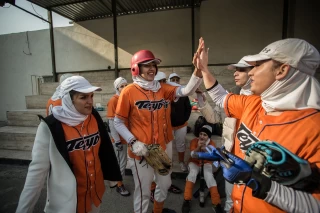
(234, 105)
(193, 144)
(123, 105)
(111, 107)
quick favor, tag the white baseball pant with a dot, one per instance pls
(180, 139)
(229, 203)
(121, 157)
(143, 175)
(194, 169)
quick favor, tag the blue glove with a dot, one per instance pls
(237, 170)
(211, 155)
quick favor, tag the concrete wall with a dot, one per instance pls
(230, 28)
(17, 68)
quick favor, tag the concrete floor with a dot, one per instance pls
(12, 178)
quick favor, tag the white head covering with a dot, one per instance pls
(173, 75)
(245, 90)
(160, 76)
(242, 64)
(299, 89)
(67, 113)
(63, 77)
(118, 82)
(154, 85)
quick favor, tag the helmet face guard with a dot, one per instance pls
(139, 57)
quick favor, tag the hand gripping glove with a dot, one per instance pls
(119, 146)
(236, 170)
(138, 148)
(158, 159)
(280, 165)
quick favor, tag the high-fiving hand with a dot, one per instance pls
(200, 58)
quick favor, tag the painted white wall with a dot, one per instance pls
(16, 68)
(231, 29)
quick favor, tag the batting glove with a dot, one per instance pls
(237, 170)
(139, 148)
(279, 164)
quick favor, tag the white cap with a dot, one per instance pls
(296, 52)
(64, 77)
(160, 76)
(173, 75)
(240, 64)
(77, 83)
(118, 82)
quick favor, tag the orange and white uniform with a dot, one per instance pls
(111, 106)
(255, 125)
(147, 110)
(89, 177)
(194, 169)
(149, 122)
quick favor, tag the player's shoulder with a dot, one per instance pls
(129, 88)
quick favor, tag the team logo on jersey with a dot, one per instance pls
(79, 143)
(245, 137)
(152, 105)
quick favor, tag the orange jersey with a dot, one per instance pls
(147, 113)
(83, 142)
(111, 106)
(193, 146)
(51, 104)
(295, 130)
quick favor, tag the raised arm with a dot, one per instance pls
(192, 86)
(215, 90)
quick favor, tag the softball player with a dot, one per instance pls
(73, 152)
(285, 109)
(180, 113)
(199, 145)
(119, 144)
(144, 105)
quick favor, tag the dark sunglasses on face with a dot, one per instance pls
(243, 69)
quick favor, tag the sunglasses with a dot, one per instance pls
(243, 69)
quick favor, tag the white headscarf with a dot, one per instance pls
(154, 86)
(67, 113)
(296, 91)
(299, 89)
(118, 82)
(63, 77)
(245, 90)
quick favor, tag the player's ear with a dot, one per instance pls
(282, 71)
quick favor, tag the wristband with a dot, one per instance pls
(132, 142)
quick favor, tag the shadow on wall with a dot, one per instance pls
(166, 33)
(78, 49)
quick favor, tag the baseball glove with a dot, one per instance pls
(158, 159)
(276, 162)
